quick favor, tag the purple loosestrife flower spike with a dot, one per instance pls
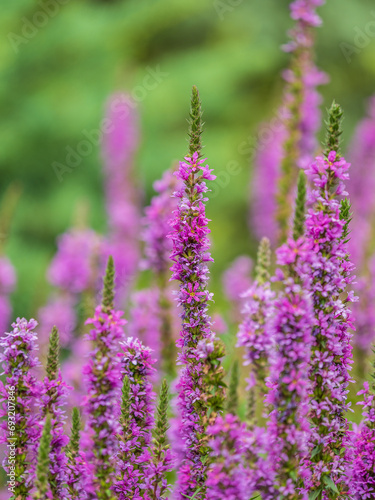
(228, 474)
(330, 275)
(161, 459)
(103, 381)
(43, 465)
(200, 386)
(302, 117)
(51, 401)
(134, 457)
(18, 359)
(253, 335)
(77, 468)
(289, 369)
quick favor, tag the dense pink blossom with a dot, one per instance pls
(190, 255)
(102, 375)
(253, 334)
(51, 400)
(18, 394)
(289, 385)
(330, 275)
(134, 457)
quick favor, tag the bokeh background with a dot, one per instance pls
(55, 81)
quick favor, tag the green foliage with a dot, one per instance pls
(161, 423)
(42, 468)
(262, 269)
(125, 405)
(196, 124)
(75, 433)
(232, 396)
(299, 215)
(334, 129)
(53, 354)
(346, 215)
(109, 286)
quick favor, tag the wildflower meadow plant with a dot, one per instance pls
(152, 414)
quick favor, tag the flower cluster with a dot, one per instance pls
(18, 359)
(132, 469)
(331, 273)
(364, 450)
(103, 382)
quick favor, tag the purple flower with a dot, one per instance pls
(190, 255)
(330, 274)
(291, 330)
(51, 400)
(17, 397)
(134, 458)
(102, 374)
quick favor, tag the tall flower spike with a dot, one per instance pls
(299, 215)
(18, 394)
(330, 274)
(161, 459)
(42, 469)
(77, 467)
(253, 334)
(102, 375)
(232, 398)
(302, 117)
(291, 328)
(198, 399)
(133, 459)
(52, 399)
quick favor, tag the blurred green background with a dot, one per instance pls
(57, 77)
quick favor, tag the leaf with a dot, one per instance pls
(314, 494)
(191, 498)
(316, 450)
(328, 481)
